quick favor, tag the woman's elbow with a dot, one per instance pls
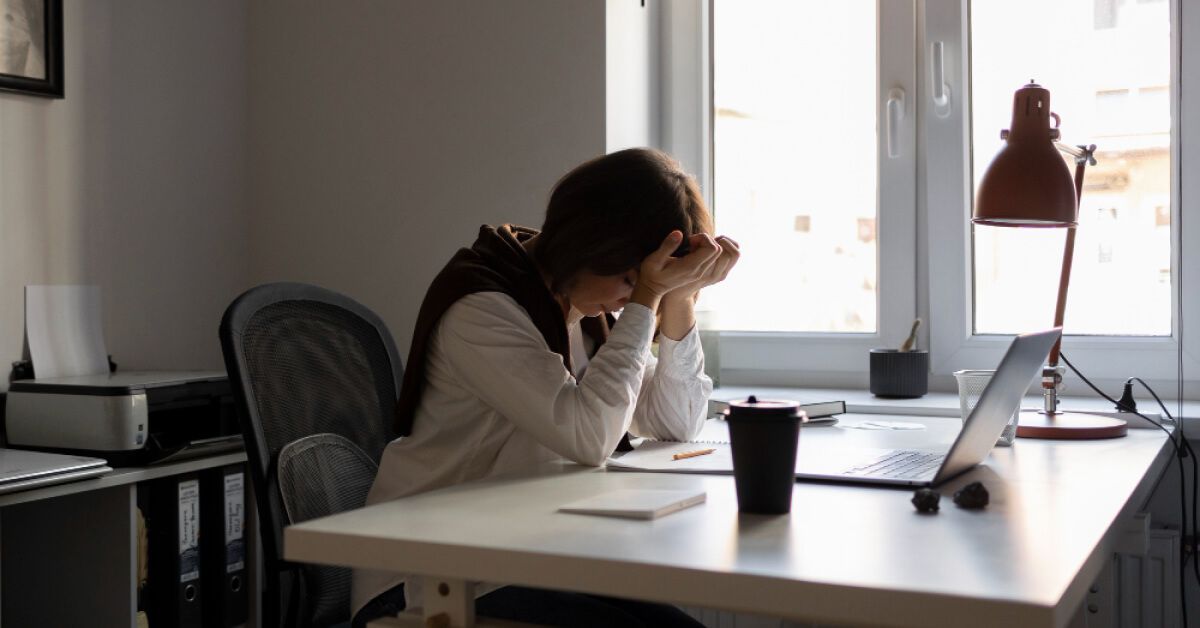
(593, 451)
(592, 460)
(589, 454)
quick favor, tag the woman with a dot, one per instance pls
(514, 368)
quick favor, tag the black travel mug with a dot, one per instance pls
(764, 435)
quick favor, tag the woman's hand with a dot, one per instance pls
(716, 273)
(660, 274)
(678, 306)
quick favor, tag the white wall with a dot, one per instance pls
(136, 181)
(204, 147)
(384, 134)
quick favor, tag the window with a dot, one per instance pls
(1115, 83)
(868, 205)
(1105, 13)
(795, 163)
(1118, 98)
(814, 171)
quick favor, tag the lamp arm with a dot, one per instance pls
(1084, 156)
(1080, 153)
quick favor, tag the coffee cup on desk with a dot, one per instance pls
(763, 436)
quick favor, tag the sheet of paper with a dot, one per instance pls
(63, 327)
(882, 425)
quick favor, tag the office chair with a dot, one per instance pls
(320, 475)
(315, 376)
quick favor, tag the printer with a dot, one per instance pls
(127, 418)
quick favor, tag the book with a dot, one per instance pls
(636, 503)
(716, 432)
(819, 412)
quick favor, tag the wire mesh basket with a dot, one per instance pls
(971, 383)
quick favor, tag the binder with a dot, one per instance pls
(174, 587)
(223, 546)
(143, 556)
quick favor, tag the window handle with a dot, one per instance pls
(937, 79)
(895, 113)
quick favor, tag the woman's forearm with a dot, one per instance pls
(678, 315)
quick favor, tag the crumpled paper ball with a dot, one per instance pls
(971, 496)
(926, 500)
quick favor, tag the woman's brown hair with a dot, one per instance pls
(608, 214)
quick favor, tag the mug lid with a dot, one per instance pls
(752, 406)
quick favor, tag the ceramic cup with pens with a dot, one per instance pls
(764, 435)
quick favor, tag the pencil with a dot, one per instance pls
(692, 454)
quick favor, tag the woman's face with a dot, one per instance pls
(594, 294)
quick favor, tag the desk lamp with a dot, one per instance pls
(1028, 185)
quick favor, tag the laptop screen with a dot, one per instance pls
(1000, 399)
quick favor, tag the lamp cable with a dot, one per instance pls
(1178, 421)
(1182, 450)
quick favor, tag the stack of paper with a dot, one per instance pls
(63, 329)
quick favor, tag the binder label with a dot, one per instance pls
(189, 530)
(235, 548)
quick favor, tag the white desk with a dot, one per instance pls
(846, 554)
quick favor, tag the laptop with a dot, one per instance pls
(916, 467)
(21, 469)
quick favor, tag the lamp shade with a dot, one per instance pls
(1028, 184)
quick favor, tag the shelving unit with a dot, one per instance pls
(68, 552)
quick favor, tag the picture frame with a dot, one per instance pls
(31, 47)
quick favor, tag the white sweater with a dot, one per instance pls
(498, 401)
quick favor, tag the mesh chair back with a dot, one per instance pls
(303, 360)
(321, 475)
(317, 368)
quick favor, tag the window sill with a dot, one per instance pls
(936, 403)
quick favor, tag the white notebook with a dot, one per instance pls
(714, 432)
(658, 456)
(636, 503)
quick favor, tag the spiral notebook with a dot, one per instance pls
(661, 457)
(657, 455)
(714, 432)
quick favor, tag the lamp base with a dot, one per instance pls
(1068, 426)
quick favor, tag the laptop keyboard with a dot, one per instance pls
(900, 464)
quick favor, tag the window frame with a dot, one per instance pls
(838, 358)
(947, 196)
(924, 255)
